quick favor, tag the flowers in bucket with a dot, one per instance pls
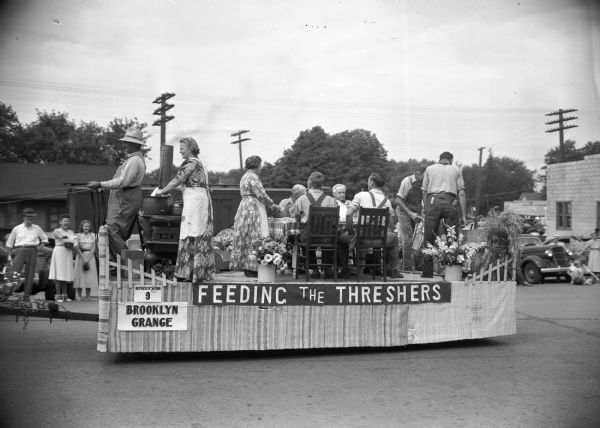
(451, 249)
(267, 251)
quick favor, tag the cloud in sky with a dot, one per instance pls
(423, 76)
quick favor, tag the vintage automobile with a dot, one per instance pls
(539, 261)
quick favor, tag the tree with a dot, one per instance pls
(502, 179)
(10, 134)
(53, 137)
(49, 138)
(348, 157)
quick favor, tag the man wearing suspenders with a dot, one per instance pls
(375, 198)
(314, 196)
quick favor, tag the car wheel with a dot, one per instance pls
(532, 273)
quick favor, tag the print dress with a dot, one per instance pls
(250, 221)
(195, 255)
(86, 278)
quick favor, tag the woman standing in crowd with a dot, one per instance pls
(61, 265)
(593, 245)
(195, 255)
(86, 275)
(251, 217)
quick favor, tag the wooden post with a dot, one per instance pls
(103, 290)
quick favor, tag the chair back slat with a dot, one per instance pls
(372, 223)
(323, 222)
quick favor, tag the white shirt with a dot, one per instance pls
(363, 199)
(22, 235)
(441, 177)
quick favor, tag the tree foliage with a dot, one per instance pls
(54, 137)
(502, 179)
(347, 157)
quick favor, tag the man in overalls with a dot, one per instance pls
(376, 198)
(410, 210)
(125, 198)
(442, 184)
(314, 196)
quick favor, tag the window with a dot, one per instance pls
(563, 215)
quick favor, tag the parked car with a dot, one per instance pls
(539, 261)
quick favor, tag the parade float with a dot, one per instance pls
(142, 311)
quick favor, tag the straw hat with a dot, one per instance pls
(134, 135)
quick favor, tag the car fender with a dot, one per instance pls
(532, 258)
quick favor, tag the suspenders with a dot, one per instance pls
(313, 201)
(382, 204)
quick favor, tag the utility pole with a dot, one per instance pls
(239, 141)
(166, 152)
(478, 194)
(561, 127)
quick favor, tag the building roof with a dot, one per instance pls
(531, 196)
(50, 181)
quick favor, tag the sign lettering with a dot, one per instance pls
(253, 294)
(135, 316)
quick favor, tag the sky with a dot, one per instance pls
(425, 76)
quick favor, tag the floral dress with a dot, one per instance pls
(86, 278)
(195, 255)
(250, 221)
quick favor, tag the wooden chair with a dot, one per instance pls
(371, 232)
(321, 232)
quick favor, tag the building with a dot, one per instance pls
(528, 205)
(573, 197)
(44, 187)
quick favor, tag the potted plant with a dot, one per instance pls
(501, 233)
(453, 253)
(268, 254)
(222, 245)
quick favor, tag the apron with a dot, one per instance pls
(197, 209)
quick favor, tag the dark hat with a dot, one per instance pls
(28, 212)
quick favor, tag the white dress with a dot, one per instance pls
(61, 266)
(593, 245)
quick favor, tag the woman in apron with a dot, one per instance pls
(195, 255)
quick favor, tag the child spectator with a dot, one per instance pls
(580, 274)
(61, 266)
(86, 275)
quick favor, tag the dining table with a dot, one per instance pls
(287, 231)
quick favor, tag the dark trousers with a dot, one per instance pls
(407, 228)
(122, 216)
(438, 207)
(27, 257)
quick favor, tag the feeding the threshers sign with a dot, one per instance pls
(324, 294)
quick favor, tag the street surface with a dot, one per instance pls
(547, 375)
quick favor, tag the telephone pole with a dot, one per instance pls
(166, 152)
(478, 194)
(561, 127)
(239, 142)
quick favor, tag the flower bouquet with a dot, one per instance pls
(266, 251)
(450, 250)
(224, 240)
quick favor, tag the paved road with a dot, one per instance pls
(548, 375)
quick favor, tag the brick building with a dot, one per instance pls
(573, 197)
